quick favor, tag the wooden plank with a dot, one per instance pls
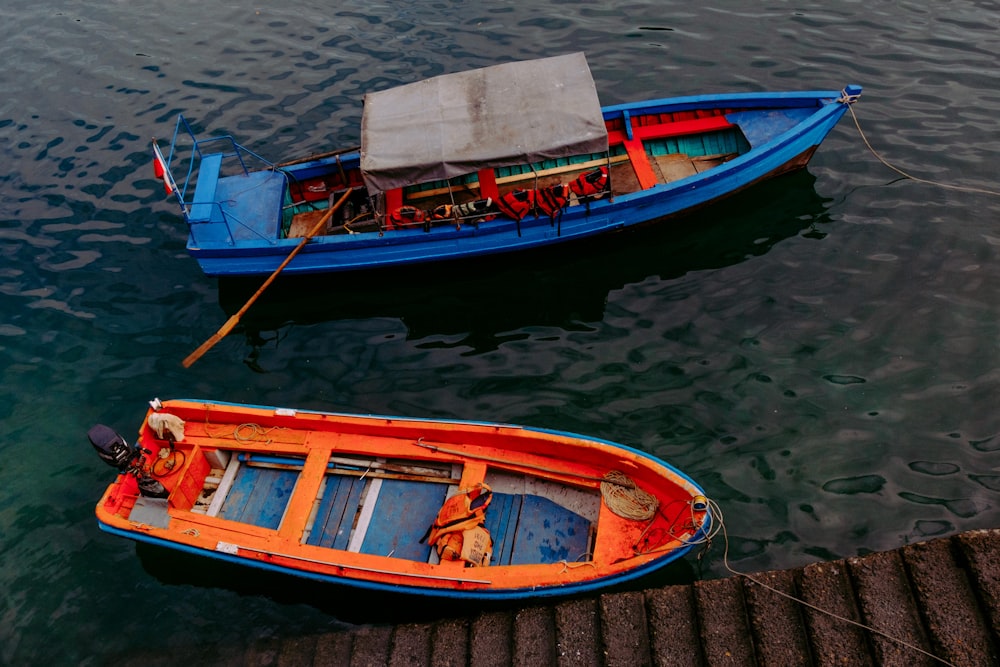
(640, 162)
(472, 473)
(501, 521)
(365, 515)
(274, 501)
(336, 512)
(623, 179)
(353, 472)
(428, 469)
(426, 479)
(350, 466)
(344, 509)
(708, 162)
(672, 129)
(307, 487)
(675, 167)
(239, 493)
(549, 533)
(302, 223)
(404, 512)
(259, 496)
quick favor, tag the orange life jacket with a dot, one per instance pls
(552, 200)
(590, 183)
(474, 546)
(442, 212)
(405, 216)
(461, 513)
(517, 204)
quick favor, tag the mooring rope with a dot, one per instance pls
(962, 188)
(627, 500)
(717, 516)
(253, 432)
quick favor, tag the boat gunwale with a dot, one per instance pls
(184, 534)
(401, 238)
(391, 421)
(474, 593)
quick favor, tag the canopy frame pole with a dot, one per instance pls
(451, 196)
(611, 191)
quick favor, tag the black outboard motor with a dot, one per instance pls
(117, 453)
(112, 448)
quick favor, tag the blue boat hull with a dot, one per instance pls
(782, 130)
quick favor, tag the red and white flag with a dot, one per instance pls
(160, 169)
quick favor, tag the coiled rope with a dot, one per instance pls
(627, 500)
(252, 432)
(962, 188)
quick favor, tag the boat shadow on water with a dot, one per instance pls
(354, 606)
(481, 301)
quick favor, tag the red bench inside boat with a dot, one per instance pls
(640, 130)
(636, 133)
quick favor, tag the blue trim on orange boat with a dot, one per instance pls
(479, 594)
(424, 420)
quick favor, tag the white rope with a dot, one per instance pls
(904, 174)
(717, 515)
(252, 432)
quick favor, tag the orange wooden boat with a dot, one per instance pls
(445, 508)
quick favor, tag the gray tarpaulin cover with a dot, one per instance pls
(497, 116)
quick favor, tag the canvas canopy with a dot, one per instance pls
(456, 124)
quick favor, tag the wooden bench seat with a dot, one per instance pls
(673, 129)
(632, 139)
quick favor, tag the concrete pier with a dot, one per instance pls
(931, 603)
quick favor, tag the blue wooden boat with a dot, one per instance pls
(501, 159)
(429, 507)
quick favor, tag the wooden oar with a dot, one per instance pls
(234, 320)
(318, 156)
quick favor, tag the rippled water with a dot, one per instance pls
(820, 354)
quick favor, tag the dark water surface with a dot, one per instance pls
(820, 354)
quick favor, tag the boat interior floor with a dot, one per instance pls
(530, 520)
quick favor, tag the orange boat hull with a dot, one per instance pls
(348, 499)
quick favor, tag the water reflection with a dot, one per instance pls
(346, 604)
(481, 304)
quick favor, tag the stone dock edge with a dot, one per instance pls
(930, 603)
